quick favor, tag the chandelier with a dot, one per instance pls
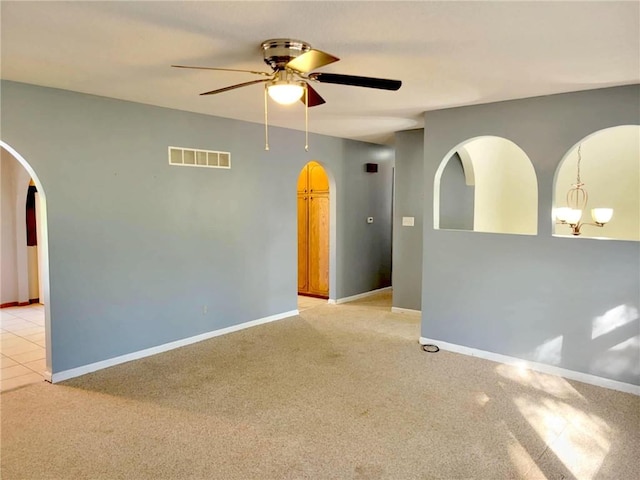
(577, 199)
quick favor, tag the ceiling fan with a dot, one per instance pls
(292, 62)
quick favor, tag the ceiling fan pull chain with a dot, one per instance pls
(266, 121)
(306, 117)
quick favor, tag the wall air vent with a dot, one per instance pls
(190, 157)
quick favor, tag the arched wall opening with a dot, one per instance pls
(316, 210)
(610, 171)
(486, 184)
(9, 153)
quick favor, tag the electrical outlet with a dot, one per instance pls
(205, 309)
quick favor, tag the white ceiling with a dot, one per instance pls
(446, 54)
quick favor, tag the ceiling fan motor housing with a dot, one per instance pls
(280, 51)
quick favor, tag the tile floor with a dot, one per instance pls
(22, 346)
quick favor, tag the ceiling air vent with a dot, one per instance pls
(190, 157)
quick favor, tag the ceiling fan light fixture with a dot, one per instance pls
(285, 92)
(292, 62)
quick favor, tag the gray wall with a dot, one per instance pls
(456, 197)
(521, 295)
(138, 247)
(366, 251)
(408, 202)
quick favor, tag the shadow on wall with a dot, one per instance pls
(614, 343)
(615, 336)
(609, 168)
(486, 184)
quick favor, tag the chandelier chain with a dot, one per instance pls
(579, 159)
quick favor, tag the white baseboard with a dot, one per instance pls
(406, 311)
(358, 296)
(92, 367)
(538, 367)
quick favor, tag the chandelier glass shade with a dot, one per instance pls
(601, 215)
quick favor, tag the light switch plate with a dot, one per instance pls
(408, 221)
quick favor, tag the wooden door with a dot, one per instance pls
(313, 231)
(318, 180)
(303, 243)
(319, 244)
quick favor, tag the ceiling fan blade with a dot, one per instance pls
(314, 97)
(223, 70)
(233, 87)
(310, 61)
(368, 82)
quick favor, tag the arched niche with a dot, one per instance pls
(486, 184)
(610, 171)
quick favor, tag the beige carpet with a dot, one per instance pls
(340, 392)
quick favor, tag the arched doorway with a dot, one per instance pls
(313, 231)
(25, 318)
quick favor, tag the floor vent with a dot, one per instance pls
(190, 157)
